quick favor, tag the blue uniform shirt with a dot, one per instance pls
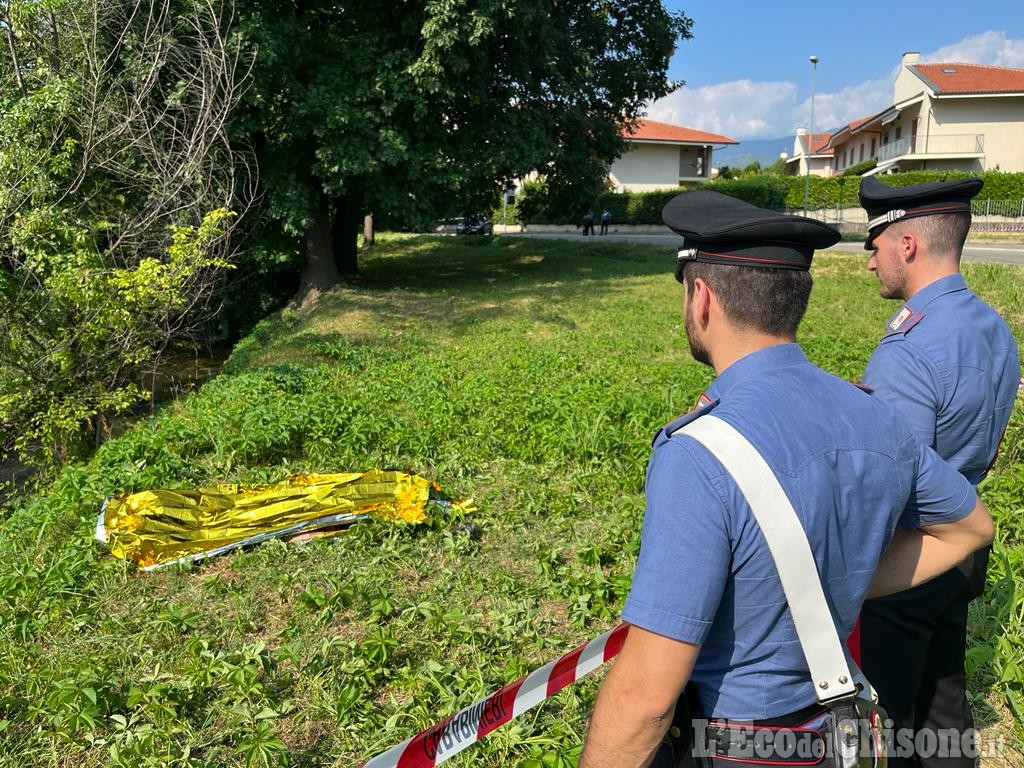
(705, 575)
(949, 364)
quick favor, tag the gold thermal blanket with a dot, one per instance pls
(158, 527)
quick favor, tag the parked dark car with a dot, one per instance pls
(474, 224)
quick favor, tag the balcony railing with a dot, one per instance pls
(951, 144)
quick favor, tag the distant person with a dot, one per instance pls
(606, 216)
(588, 222)
(949, 364)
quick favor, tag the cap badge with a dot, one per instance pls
(887, 218)
(900, 318)
(686, 254)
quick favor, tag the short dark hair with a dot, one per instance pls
(944, 233)
(768, 300)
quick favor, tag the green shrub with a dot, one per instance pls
(764, 190)
(859, 168)
(841, 191)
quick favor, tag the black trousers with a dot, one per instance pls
(912, 650)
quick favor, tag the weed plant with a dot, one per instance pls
(528, 375)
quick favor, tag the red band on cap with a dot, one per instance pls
(750, 258)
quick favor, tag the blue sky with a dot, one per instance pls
(747, 71)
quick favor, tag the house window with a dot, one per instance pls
(860, 156)
(899, 132)
(872, 147)
(885, 137)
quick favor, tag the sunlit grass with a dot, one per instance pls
(526, 374)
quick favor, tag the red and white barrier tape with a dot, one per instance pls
(449, 737)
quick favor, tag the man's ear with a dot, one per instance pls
(702, 298)
(906, 246)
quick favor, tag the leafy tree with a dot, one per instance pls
(115, 179)
(777, 168)
(412, 110)
(75, 332)
(752, 169)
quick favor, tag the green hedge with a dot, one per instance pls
(765, 190)
(842, 190)
(533, 207)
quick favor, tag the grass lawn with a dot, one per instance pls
(526, 374)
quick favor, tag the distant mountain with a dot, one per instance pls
(765, 151)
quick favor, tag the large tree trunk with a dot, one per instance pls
(368, 230)
(348, 215)
(319, 272)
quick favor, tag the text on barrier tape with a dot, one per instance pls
(449, 737)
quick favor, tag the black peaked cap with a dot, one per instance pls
(886, 205)
(718, 229)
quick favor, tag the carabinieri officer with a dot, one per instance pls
(706, 605)
(949, 364)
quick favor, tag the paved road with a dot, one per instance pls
(1004, 253)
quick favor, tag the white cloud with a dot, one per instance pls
(740, 108)
(746, 109)
(986, 48)
(834, 110)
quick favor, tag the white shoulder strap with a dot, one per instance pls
(790, 549)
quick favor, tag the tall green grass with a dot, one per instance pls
(528, 375)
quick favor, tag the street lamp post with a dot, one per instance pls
(810, 137)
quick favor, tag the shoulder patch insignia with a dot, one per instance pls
(900, 318)
(674, 426)
(702, 406)
(904, 320)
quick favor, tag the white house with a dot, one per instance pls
(815, 151)
(663, 156)
(944, 116)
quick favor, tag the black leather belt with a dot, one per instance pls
(801, 743)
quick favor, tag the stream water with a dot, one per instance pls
(177, 374)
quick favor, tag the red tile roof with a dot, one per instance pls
(970, 78)
(854, 125)
(848, 130)
(820, 144)
(652, 130)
